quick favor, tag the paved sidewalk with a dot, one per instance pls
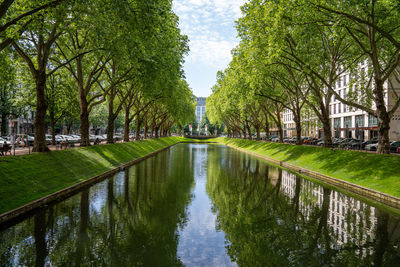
(19, 151)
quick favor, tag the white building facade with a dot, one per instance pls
(347, 121)
(200, 108)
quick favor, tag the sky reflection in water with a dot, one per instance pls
(204, 205)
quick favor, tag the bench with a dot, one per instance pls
(5, 149)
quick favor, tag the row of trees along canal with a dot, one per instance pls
(68, 59)
(291, 55)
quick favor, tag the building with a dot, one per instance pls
(348, 219)
(22, 124)
(309, 123)
(200, 108)
(350, 122)
(347, 121)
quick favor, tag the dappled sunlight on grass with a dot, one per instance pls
(26, 178)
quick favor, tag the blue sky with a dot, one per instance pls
(210, 27)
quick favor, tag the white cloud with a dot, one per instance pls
(210, 27)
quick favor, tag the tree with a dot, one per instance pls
(7, 86)
(286, 32)
(373, 26)
(15, 17)
(62, 100)
(35, 49)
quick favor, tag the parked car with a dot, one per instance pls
(59, 139)
(49, 139)
(345, 143)
(394, 147)
(275, 140)
(77, 138)
(117, 137)
(315, 141)
(303, 138)
(365, 143)
(310, 140)
(273, 136)
(371, 147)
(354, 144)
(2, 140)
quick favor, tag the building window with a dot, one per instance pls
(372, 120)
(337, 123)
(344, 80)
(347, 121)
(360, 120)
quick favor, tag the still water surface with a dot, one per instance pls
(204, 205)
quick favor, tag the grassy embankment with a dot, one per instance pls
(26, 178)
(378, 172)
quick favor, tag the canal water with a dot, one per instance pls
(204, 205)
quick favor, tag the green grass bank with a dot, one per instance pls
(378, 172)
(27, 178)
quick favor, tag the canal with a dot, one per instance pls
(204, 205)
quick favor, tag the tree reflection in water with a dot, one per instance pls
(272, 217)
(131, 219)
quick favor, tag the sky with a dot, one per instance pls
(210, 26)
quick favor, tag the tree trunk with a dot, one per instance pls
(39, 234)
(382, 237)
(383, 119)
(146, 128)
(3, 124)
(156, 131)
(40, 116)
(267, 134)
(258, 133)
(82, 237)
(327, 132)
(3, 109)
(126, 126)
(280, 130)
(110, 130)
(53, 129)
(110, 120)
(249, 131)
(383, 137)
(138, 125)
(297, 121)
(84, 119)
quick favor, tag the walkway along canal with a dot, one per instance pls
(204, 205)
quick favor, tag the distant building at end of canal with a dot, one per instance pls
(200, 108)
